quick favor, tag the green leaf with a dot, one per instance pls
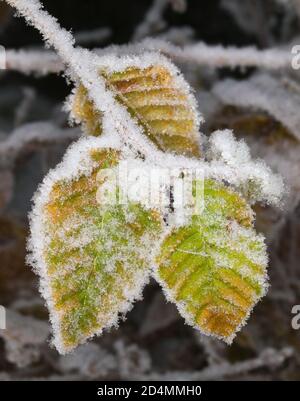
(152, 95)
(96, 256)
(214, 269)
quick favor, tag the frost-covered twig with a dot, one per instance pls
(153, 21)
(41, 132)
(198, 53)
(40, 62)
(23, 337)
(220, 56)
(24, 106)
(269, 358)
(52, 33)
(214, 350)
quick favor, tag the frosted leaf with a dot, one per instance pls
(156, 96)
(93, 261)
(214, 269)
(264, 92)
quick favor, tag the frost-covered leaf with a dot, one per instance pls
(264, 92)
(157, 97)
(93, 259)
(214, 269)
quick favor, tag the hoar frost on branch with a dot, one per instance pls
(43, 62)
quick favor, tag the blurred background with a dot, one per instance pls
(260, 105)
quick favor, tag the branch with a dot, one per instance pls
(153, 21)
(43, 62)
(33, 133)
(219, 56)
(269, 358)
(40, 62)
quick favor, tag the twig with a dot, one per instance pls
(200, 54)
(23, 108)
(153, 21)
(269, 358)
(42, 132)
(219, 56)
(40, 62)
